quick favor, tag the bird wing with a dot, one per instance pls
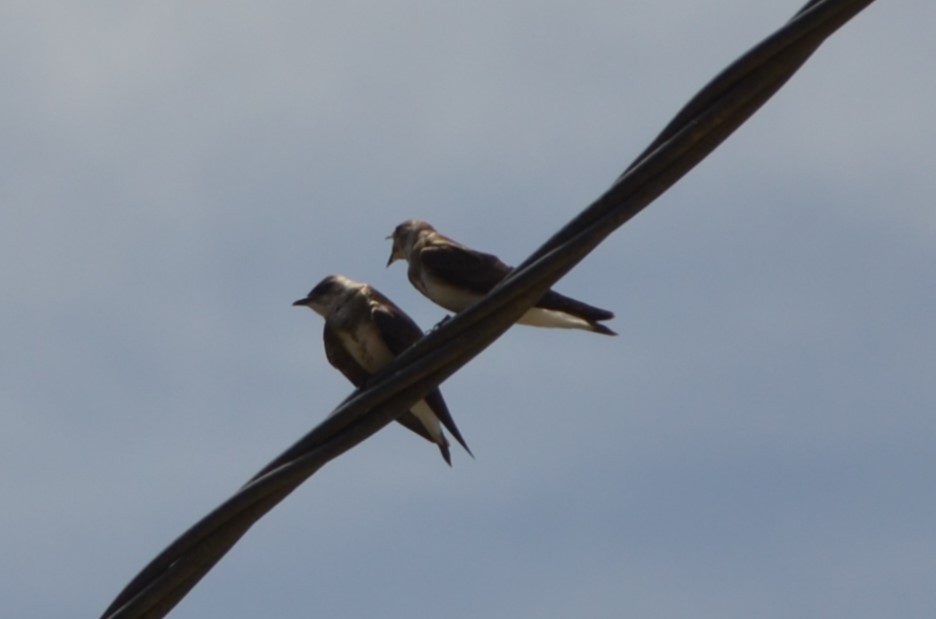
(399, 331)
(555, 301)
(342, 360)
(468, 268)
(480, 272)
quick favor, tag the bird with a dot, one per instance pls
(455, 277)
(365, 331)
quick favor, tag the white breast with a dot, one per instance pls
(451, 298)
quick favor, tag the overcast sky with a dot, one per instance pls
(757, 442)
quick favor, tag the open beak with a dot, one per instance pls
(392, 251)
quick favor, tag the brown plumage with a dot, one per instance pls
(364, 331)
(455, 277)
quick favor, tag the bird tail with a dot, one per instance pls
(561, 303)
(600, 328)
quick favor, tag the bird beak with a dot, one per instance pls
(301, 302)
(392, 251)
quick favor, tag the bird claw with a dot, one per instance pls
(447, 318)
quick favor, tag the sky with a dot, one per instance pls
(757, 441)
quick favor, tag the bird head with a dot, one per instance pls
(327, 295)
(404, 238)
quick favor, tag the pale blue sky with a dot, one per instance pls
(758, 441)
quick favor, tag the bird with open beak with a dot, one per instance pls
(456, 277)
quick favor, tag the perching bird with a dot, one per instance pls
(364, 331)
(455, 277)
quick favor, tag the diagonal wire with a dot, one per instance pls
(703, 123)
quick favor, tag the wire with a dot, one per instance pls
(703, 123)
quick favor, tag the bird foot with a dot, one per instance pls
(447, 318)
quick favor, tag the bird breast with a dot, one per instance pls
(450, 297)
(366, 345)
